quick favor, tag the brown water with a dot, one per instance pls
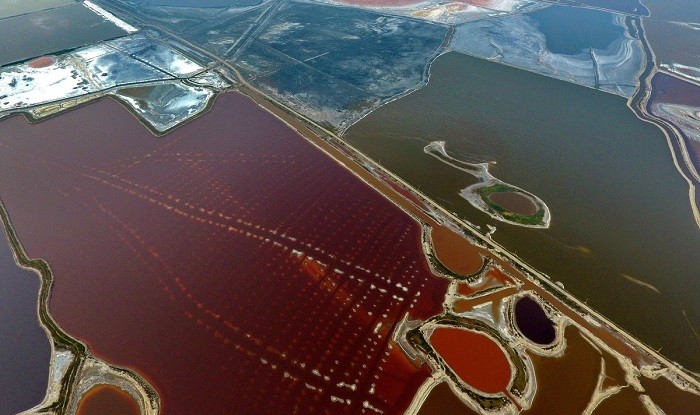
(671, 400)
(625, 402)
(443, 401)
(614, 373)
(618, 204)
(565, 385)
(515, 203)
(455, 252)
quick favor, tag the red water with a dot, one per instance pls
(667, 88)
(500, 276)
(474, 357)
(493, 277)
(233, 265)
(108, 400)
(455, 252)
(42, 62)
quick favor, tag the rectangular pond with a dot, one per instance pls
(53, 30)
(230, 263)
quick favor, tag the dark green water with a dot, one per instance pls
(607, 177)
(52, 31)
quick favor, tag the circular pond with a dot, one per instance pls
(474, 357)
(514, 202)
(533, 322)
(108, 400)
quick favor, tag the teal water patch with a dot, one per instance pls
(634, 7)
(572, 30)
(674, 11)
(517, 40)
(199, 3)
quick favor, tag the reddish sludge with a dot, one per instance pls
(474, 357)
(230, 263)
(42, 62)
